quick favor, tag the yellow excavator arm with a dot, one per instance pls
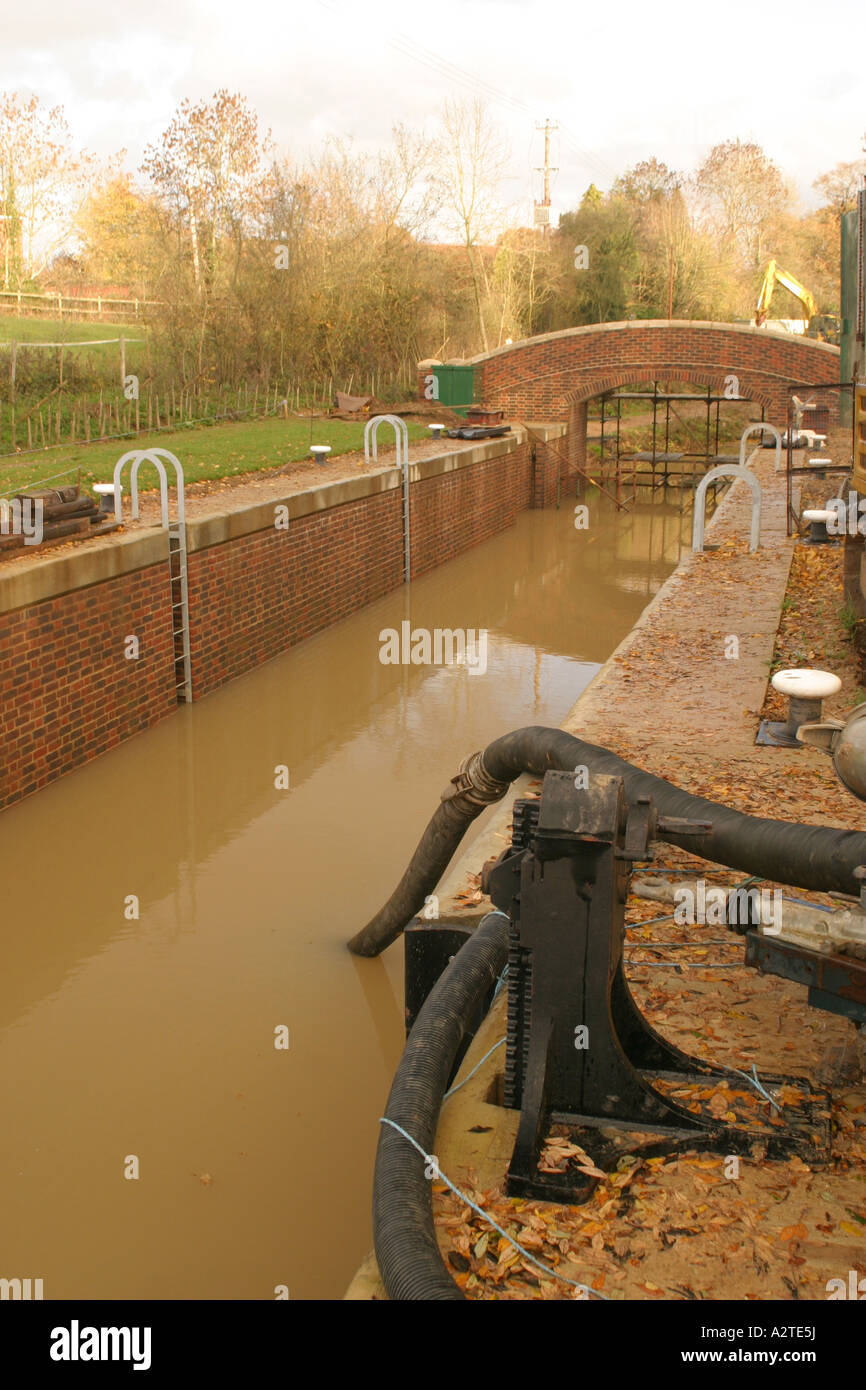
(774, 274)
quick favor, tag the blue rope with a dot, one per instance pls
(753, 1080)
(485, 1216)
(499, 983)
(816, 907)
(487, 1054)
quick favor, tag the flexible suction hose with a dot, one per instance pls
(807, 856)
(404, 1236)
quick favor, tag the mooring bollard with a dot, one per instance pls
(817, 518)
(806, 689)
(107, 492)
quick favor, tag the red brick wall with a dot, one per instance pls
(542, 378)
(256, 596)
(454, 511)
(67, 692)
(545, 474)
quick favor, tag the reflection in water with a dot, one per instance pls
(154, 1035)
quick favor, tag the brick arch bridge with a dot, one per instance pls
(552, 376)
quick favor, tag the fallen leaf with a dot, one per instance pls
(797, 1232)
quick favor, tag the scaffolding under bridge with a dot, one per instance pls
(659, 466)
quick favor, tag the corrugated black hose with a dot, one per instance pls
(403, 1231)
(807, 856)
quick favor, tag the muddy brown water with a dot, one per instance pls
(148, 1043)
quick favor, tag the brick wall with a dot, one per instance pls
(546, 470)
(544, 377)
(256, 596)
(67, 692)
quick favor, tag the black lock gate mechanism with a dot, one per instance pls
(579, 1053)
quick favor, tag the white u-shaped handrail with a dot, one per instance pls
(735, 470)
(760, 426)
(177, 554)
(154, 456)
(371, 430)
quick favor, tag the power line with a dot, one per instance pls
(445, 68)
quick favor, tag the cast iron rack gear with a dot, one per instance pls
(564, 884)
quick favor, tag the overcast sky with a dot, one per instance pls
(625, 80)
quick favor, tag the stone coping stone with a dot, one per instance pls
(59, 574)
(203, 532)
(637, 325)
(51, 576)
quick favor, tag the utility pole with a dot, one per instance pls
(542, 218)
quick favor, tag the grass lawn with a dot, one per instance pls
(33, 330)
(205, 452)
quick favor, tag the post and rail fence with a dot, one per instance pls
(73, 306)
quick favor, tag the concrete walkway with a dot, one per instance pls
(670, 676)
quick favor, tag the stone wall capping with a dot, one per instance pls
(51, 575)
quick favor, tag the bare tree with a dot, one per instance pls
(522, 281)
(470, 158)
(404, 190)
(741, 193)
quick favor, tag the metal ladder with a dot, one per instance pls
(176, 529)
(179, 610)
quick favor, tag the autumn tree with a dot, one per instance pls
(601, 291)
(212, 166)
(122, 236)
(647, 182)
(679, 272)
(815, 239)
(43, 183)
(840, 185)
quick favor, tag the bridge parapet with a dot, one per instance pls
(547, 376)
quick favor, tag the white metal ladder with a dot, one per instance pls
(176, 529)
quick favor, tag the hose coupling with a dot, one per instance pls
(473, 782)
